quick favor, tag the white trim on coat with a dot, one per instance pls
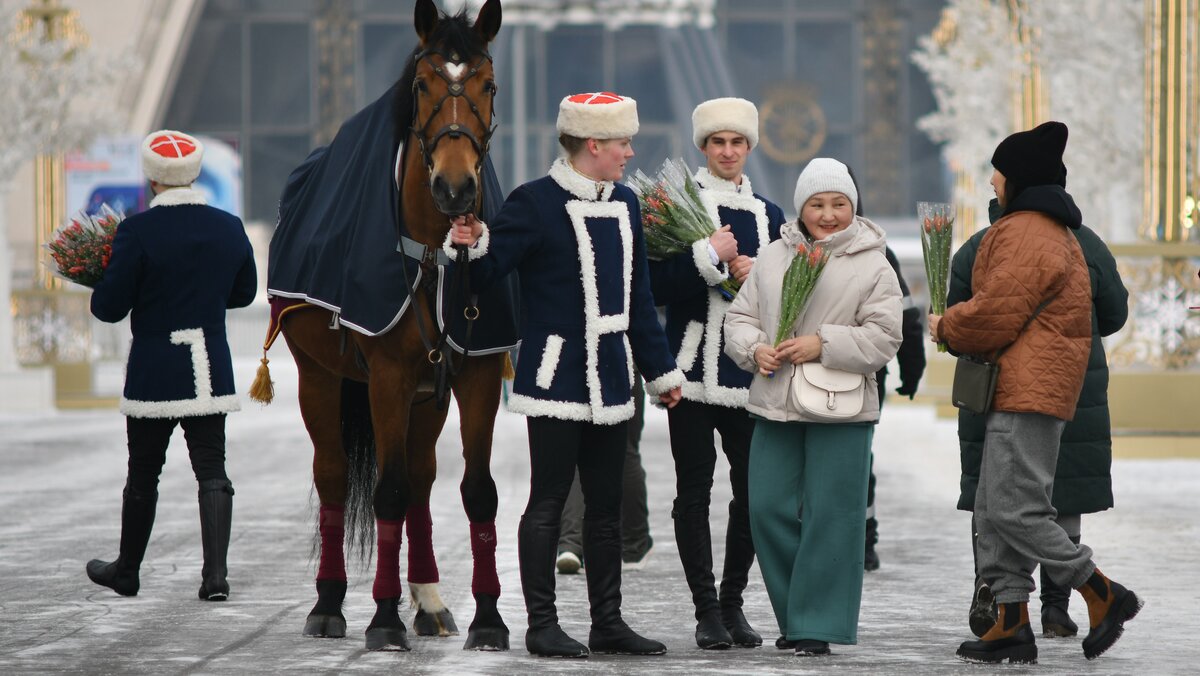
(666, 382)
(595, 324)
(713, 391)
(711, 274)
(173, 197)
(203, 404)
(477, 250)
(551, 353)
(689, 347)
(579, 185)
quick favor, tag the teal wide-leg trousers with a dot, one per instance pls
(808, 499)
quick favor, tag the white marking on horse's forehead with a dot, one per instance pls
(456, 70)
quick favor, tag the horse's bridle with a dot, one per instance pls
(454, 89)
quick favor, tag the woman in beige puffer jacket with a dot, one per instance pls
(801, 463)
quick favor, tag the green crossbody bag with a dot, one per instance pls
(975, 378)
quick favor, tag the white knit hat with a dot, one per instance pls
(171, 157)
(824, 174)
(726, 114)
(599, 115)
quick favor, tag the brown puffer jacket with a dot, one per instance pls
(1026, 258)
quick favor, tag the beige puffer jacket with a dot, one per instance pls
(855, 308)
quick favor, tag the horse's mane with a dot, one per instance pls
(452, 34)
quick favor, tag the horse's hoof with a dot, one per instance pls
(487, 639)
(388, 638)
(440, 623)
(325, 626)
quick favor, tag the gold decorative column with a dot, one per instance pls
(49, 190)
(1172, 120)
(1029, 105)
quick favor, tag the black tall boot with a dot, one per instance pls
(870, 557)
(694, 540)
(610, 634)
(1056, 598)
(216, 515)
(137, 520)
(536, 544)
(739, 556)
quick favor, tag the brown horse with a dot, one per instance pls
(447, 91)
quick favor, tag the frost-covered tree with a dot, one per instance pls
(1091, 57)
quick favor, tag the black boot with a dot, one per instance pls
(870, 558)
(216, 515)
(694, 539)
(536, 544)
(739, 556)
(610, 634)
(137, 520)
(1056, 598)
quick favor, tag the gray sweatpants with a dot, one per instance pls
(1017, 528)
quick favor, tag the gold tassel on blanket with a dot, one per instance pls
(507, 372)
(263, 388)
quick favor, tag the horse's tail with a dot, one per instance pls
(358, 440)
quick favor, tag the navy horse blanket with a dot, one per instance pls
(335, 245)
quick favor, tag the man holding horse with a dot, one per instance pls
(575, 237)
(175, 268)
(716, 391)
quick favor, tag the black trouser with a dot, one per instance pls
(693, 446)
(635, 514)
(556, 449)
(148, 440)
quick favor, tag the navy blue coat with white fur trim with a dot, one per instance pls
(177, 267)
(686, 285)
(588, 313)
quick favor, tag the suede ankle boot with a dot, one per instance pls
(1010, 638)
(1110, 606)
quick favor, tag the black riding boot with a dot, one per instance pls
(870, 557)
(1056, 598)
(739, 556)
(536, 545)
(610, 634)
(216, 515)
(137, 520)
(694, 540)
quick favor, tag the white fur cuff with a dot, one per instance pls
(476, 250)
(665, 383)
(711, 274)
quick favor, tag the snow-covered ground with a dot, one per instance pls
(60, 483)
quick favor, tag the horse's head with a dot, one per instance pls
(453, 92)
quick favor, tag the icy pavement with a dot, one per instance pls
(60, 485)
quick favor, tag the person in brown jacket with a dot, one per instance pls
(1031, 298)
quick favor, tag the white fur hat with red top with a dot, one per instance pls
(171, 157)
(598, 115)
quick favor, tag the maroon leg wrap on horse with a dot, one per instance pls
(422, 566)
(332, 526)
(387, 569)
(483, 550)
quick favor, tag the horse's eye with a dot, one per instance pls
(422, 87)
(490, 87)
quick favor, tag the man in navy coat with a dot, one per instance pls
(575, 237)
(175, 268)
(716, 391)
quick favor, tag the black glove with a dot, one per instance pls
(907, 390)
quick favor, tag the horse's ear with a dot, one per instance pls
(487, 24)
(425, 19)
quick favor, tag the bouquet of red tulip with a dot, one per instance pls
(673, 217)
(82, 247)
(937, 230)
(798, 283)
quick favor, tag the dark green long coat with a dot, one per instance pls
(1082, 481)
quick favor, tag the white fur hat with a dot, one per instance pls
(824, 174)
(171, 157)
(727, 114)
(600, 115)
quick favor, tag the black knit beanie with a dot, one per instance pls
(1034, 157)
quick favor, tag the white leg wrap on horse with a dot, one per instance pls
(425, 597)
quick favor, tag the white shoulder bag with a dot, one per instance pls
(827, 393)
